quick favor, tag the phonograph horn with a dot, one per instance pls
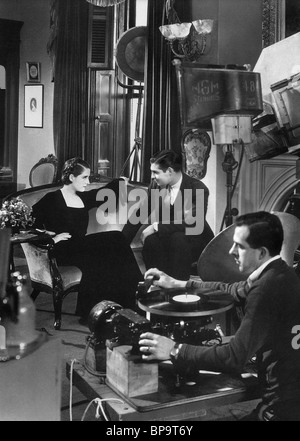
(215, 264)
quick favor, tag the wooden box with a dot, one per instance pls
(129, 374)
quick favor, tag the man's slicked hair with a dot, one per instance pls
(265, 230)
(167, 158)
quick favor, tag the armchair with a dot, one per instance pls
(44, 273)
(43, 172)
(47, 276)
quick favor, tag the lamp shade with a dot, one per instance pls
(176, 31)
(203, 26)
(105, 2)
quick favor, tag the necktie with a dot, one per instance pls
(169, 199)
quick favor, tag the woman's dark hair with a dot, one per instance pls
(73, 166)
(167, 158)
(265, 230)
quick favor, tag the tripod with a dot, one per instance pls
(136, 149)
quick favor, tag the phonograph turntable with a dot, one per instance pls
(113, 346)
(184, 316)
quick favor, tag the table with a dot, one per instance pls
(188, 402)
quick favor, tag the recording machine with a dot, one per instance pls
(113, 345)
(182, 317)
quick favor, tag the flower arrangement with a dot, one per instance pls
(15, 214)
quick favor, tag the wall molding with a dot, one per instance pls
(273, 22)
(267, 184)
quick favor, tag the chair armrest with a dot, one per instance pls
(42, 263)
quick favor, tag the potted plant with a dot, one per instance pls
(15, 214)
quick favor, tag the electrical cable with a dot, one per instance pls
(99, 401)
(235, 181)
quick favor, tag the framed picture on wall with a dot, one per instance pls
(33, 71)
(34, 105)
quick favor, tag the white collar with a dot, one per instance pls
(255, 275)
(177, 185)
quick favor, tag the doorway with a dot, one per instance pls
(9, 104)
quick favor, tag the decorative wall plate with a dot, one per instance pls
(196, 145)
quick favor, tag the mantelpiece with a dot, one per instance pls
(267, 184)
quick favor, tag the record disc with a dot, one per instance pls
(162, 302)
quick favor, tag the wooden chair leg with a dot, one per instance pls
(57, 304)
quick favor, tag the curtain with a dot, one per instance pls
(161, 125)
(68, 49)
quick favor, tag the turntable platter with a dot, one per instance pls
(165, 302)
(186, 299)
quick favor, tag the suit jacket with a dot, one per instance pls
(272, 310)
(179, 212)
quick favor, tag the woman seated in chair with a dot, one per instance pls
(109, 269)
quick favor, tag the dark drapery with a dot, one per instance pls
(161, 125)
(68, 49)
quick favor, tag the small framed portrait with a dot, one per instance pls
(34, 105)
(33, 70)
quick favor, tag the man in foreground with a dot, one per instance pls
(270, 328)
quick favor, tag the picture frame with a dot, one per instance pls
(33, 70)
(34, 105)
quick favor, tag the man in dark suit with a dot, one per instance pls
(177, 230)
(270, 328)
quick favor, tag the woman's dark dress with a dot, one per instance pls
(109, 269)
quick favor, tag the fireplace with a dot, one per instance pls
(267, 184)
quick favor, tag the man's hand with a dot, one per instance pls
(147, 232)
(162, 279)
(155, 347)
(62, 236)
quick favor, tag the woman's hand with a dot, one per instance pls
(61, 236)
(155, 347)
(162, 279)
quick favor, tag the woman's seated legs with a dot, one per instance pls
(110, 272)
